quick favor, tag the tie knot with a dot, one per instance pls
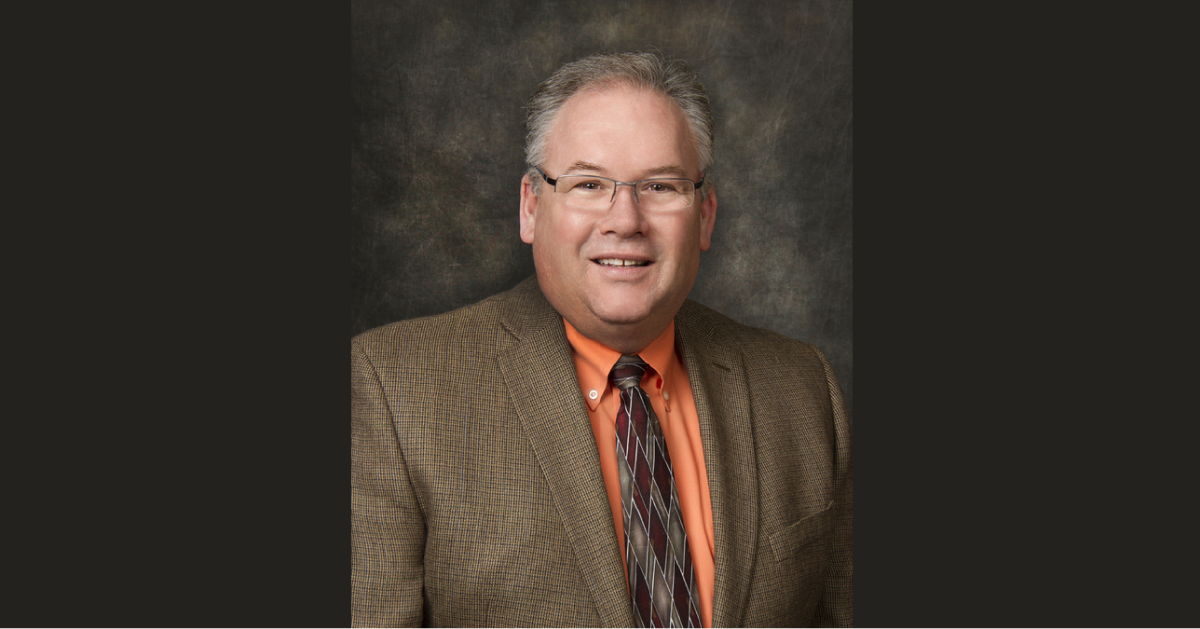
(628, 371)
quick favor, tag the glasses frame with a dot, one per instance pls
(632, 184)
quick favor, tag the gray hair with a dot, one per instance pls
(673, 79)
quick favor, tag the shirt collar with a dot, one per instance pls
(594, 361)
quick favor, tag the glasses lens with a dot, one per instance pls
(585, 190)
(591, 193)
(666, 194)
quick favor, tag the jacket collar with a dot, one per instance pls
(542, 385)
(719, 387)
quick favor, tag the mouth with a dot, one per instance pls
(620, 262)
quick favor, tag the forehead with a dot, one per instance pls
(621, 128)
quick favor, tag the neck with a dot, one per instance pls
(627, 339)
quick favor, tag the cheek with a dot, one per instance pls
(682, 236)
(552, 246)
(568, 230)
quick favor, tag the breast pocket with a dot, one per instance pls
(814, 529)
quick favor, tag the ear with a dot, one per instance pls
(529, 203)
(708, 217)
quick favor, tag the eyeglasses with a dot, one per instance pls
(589, 192)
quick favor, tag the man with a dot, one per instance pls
(590, 448)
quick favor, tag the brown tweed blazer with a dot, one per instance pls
(476, 494)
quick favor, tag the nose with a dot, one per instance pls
(624, 217)
(617, 188)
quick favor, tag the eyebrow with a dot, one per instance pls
(658, 171)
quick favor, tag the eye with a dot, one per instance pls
(661, 187)
(586, 185)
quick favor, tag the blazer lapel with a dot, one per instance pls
(718, 382)
(544, 389)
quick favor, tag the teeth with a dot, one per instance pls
(620, 262)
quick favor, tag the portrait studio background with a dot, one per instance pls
(438, 91)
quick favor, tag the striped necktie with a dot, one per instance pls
(662, 582)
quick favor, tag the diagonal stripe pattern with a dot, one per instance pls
(662, 582)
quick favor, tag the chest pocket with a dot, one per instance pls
(786, 543)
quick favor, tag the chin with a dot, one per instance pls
(630, 315)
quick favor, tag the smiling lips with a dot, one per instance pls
(620, 262)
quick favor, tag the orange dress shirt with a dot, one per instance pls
(671, 396)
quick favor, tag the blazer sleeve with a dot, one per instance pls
(387, 525)
(836, 608)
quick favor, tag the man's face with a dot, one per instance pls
(625, 134)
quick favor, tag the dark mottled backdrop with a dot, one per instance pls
(436, 154)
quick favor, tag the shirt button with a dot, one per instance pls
(592, 394)
(666, 396)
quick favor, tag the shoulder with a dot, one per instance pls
(478, 331)
(757, 346)
(784, 378)
(432, 330)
